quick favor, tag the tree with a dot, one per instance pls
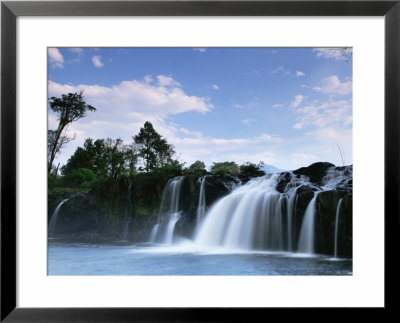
(70, 107)
(198, 165)
(108, 159)
(225, 168)
(52, 145)
(152, 148)
(197, 168)
(251, 170)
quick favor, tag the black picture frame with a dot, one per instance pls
(10, 10)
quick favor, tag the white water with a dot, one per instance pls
(54, 217)
(336, 227)
(169, 232)
(248, 218)
(291, 214)
(128, 213)
(254, 216)
(306, 240)
(201, 207)
(169, 211)
(154, 232)
(336, 178)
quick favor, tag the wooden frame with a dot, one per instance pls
(10, 10)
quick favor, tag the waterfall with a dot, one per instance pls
(154, 232)
(54, 217)
(250, 217)
(273, 213)
(306, 240)
(291, 215)
(128, 213)
(336, 227)
(169, 211)
(201, 208)
(169, 232)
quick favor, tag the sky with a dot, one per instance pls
(287, 107)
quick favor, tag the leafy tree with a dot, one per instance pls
(116, 157)
(82, 177)
(70, 107)
(197, 168)
(108, 159)
(225, 168)
(153, 150)
(251, 170)
(91, 156)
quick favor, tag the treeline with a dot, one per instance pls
(105, 161)
(109, 160)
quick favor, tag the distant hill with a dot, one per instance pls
(269, 169)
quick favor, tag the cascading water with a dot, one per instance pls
(169, 212)
(276, 212)
(54, 217)
(306, 240)
(169, 232)
(201, 207)
(248, 218)
(291, 214)
(128, 213)
(154, 232)
(256, 216)
(336, 227)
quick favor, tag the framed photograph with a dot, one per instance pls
(200, 158)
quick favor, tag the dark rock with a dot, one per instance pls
(282, 181)
(316, 172)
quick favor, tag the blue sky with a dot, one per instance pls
(287, 107)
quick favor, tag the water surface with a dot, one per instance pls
(122, 258)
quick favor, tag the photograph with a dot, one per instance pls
(200, 161)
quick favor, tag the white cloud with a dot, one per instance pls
(215, 87)
(330, 114)
(247, 122)
(303, 158)
(167, 81)
(265, 138)
(76, 50)
(281, 70)
(190, 132)
(96, 60)
(277, 106)
(211, 149)
(298, 99)
(333, 85)
(56, 60)
(148, 79)
(299, 73)
(130, 98)
(201, 50)
(338, 53)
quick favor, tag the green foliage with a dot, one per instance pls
(81, 177)
(153, 150)
(107, 159)
(197, 168)
(225, 168)
(70, 107)
(251, 170)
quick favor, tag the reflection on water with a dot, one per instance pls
(122, 258)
